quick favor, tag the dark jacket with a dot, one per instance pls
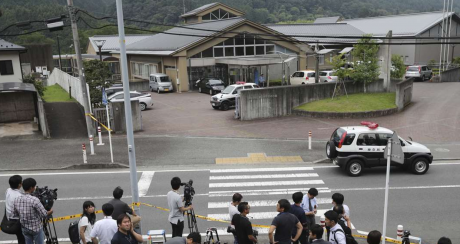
(320, 241)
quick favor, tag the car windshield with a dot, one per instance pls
(164, 79)
(337, 135)
(322, 74)
(228, 90)
(215, 82)
(414, 68)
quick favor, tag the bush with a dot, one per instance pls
(37, 83)
(399, 67)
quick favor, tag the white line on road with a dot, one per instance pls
(273, 176)
(397, 188)
(266, 183)
(265, 192)
(144, 182)
(260, 170)
(264, 203)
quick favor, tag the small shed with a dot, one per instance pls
(18, 102)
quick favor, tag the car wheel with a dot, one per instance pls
(211, 92)
(331, 151)
(158, 90)
(199, 89)
(423, 78)
(354, 167)
(419, 166)
(303, 83)
(215, 107)
(431, 76)
(143, 106)
(225, 106)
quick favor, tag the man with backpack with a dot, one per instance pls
(345, 226)
(316, 235)
(336, 233)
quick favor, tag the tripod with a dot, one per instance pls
(191, 219)
(50, 233)
(210, 233)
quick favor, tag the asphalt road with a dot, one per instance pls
(165, 150)
(425, 204)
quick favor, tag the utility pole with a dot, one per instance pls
(81, 72)
(128, 115)
(59, 51)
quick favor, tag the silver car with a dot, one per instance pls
(328, 76)
(421, 72)
(160, 83)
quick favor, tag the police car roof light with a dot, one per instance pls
(370, 125)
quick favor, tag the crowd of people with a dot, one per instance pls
(295, 222)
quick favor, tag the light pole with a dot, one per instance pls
(99, 44)
(59, 51)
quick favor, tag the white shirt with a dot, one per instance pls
(232, 210)
(306, 205)
(85, 222)
(104, 230)
(11, 195)
(347, 211)
(174, 204)
(340, 235)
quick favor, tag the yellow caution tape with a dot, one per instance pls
(92, 117)
(386, 239)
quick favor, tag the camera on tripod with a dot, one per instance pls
(189, 192)
(46, 196)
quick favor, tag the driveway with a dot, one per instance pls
(433, 117)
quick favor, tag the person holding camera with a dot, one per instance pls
(120, 207)
(11, 194)
(243, 227)
(31, 213)
(177, 209)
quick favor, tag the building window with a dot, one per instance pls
(218, 52)
(321, 59)
(260, 50)
(207, 53)
(239, 51)
(218, 14)
(6, 67)
(229, 52)
(143, 70)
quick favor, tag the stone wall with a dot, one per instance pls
(452, 75)
(42, 120)
(404, 93)
(279, 101)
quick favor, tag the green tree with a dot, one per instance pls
(37, 83)
(97, 74)
(399, 67)
(366, 68)
(338, 65)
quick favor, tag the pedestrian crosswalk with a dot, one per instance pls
(262, 188)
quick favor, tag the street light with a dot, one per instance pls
(99, 44)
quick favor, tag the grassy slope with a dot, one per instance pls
(354, 103)
(56, 94)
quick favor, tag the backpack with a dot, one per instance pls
(348, 237)
(345, 228)
(74, 232)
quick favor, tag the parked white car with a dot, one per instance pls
(303, 77)
(328, 76)
(145, 99)
(160, 83)
(226, 99)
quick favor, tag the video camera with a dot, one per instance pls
(189, 192)
(232, 230)
(46, 196)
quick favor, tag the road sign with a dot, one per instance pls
(104, 97)
(397, 154)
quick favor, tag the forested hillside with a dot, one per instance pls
(168, 12)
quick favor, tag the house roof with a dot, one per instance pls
(206, 7)
(401, 25)
(327, 20)
(331, 29)
(16, 86)
(112, 41)
(172, 42)
(4, 45)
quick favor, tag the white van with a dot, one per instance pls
(160, 83)
(303, 77)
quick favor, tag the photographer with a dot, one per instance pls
(243, 227)
(11, 194)
(31, 213)
(176, 216)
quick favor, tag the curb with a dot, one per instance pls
(75, 166)
(347, 115)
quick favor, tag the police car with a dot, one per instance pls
(354, 148)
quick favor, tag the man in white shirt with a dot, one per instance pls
(104, 229)
(11, 194)
(337, 200)
(310, 206)
(176, 208)
(336, 233)
(233, 209)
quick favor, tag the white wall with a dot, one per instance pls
(64, 80)
(13, 56)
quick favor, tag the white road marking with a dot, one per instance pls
(259, 170)
(260, 215)
(144, 182)
(265, 192)
(263, 203)
(273, 176)
(396, 188)
(266, 183)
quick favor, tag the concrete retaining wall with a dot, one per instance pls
(119, 121)
(139, 85)
(452, 75)
(43, 122)
(404, 93)
(355, 115)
